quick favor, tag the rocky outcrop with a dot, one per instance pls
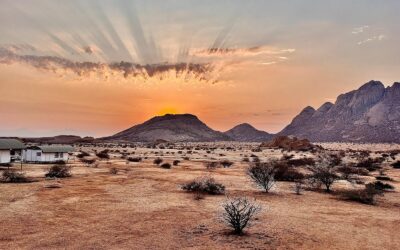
(289, 143)
(368, 114)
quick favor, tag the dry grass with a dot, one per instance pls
(142, 207)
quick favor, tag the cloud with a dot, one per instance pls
(371, 39)
(239, 52)
(359, 30)
(188, 72)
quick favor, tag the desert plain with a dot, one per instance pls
(142, 205)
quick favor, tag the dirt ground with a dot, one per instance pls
(143, 207)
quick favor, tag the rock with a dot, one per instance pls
(289, 143)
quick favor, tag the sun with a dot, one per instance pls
(167, 110)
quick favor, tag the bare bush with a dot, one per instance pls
(262, 175)
(238, 213)
(59, 171)
(324, 173)
(176, 162)
(298, 186)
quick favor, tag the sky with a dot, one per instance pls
(96, 67)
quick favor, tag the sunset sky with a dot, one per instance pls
(89, 67)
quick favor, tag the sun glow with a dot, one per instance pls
(167, 110)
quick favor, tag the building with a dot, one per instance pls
(10, 150)
(47, 153)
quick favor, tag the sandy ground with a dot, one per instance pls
(142, 207)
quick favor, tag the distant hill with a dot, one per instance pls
(368, 114)
(246, 133)
(59, 139)
(173, 128)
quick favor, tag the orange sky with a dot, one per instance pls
(269, 59)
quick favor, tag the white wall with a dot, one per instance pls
(5, 156)
(30, 155)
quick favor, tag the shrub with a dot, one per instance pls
(103, 154)
(246, 159)
(134, 159)
(176, 162)
(226, 163)
(298, 187)
(157, 161)
(59, 171)
(88, 161)
(382, 186)
(211, 165)
(204, 185)
(166, 165)
(301, 162)
(396, 164)
(366, 195)
(12, 176)
(368, 164)
(383, 178)
(82, 154)
(113, 170)
(324, 175)
(238, 213)
(284, 172)
(262, 175)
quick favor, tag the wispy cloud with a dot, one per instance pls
(371, 39)
(359, 30)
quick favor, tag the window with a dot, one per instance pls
(56, 155)
(38, 153)
(61, 155)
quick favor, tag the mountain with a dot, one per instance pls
(182, 127)
(59, 139)
(368, 114)
(246, 133)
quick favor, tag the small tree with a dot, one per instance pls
(239, 212)
(262, 175)
(324, 175)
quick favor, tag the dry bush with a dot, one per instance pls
(11, 176)
(226, 163)
(285, 172)
(262, 175)
(301, 162)
(382, 186)
(166, 165)
(366, 195)
(176, 162)
(103, 154)
(396, 164)
(157, 161)
(204, 184)
(246, 159)
(369, 164)
(83, 154)
(113, 170)
(238, 213)
(211, 165)
(298, 187)
(88, 161)
(59, 171)
(134, 159)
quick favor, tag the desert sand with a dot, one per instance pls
(143, 207)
